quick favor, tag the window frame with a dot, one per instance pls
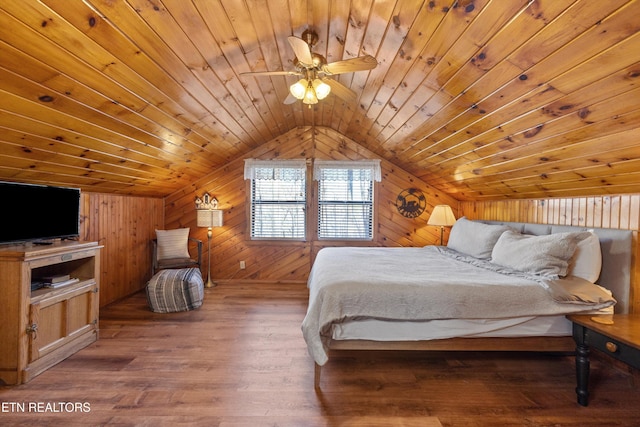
(374, 165)
(250, 186)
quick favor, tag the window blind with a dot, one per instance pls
(278, 198)
(345, 199)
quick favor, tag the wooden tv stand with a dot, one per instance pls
(43, 327)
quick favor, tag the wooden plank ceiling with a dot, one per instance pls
(484, 99)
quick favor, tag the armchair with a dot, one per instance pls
(163, 259)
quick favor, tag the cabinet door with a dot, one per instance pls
(55, 321)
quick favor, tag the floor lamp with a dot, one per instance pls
(442, 216)
(209, 218)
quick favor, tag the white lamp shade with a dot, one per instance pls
(209, 218)
(322, 89)
(299, 88)
(442, 215)
(310, 96)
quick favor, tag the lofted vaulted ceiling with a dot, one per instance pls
(483, 99)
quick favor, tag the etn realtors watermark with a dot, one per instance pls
(44, 407)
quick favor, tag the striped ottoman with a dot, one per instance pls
(169, 291)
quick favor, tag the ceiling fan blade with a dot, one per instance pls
(302, 50)
(341, 90)
(361, 63)
(290, 99)
(271, 73)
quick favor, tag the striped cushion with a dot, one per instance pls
(175, 290)
(173, 243)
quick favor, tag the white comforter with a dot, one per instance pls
(429, 283)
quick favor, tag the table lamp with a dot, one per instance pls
(442, 216)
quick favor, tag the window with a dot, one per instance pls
(345, 198)
(278, 198)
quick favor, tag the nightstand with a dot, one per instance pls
(617, 335)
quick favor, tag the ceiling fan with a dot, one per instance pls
(315, 83)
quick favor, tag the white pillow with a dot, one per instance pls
(173, 243)
(547, 255)
(475, 238)
(587, 260)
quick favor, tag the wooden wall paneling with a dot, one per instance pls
(265, 30)
(48, 153)
(94, 175)
(285, 263)
(230, 243)
(534, 210)
(572, 211)
(603, 68)
(605, 211)
(524, 208)
(558, 158)
(291, 261)
(393, 228)
(79, 82)
(612, 211)
(553, 211)
(352, 41)
(634, 213)
(598, 209)
(59, 30)
(219, 16)
(635, 289)
(414, 230)
(392, 90)
(144, 98)
(281, 13)
(575, 124)
(406, 117)
(616, 211)
(85, 218)
(399, 16)
(394, 181)
(87, 120)
(313, 15)
(491, 17)
(623, 217)
(336, 27)
(125, 226)
(161, 55)
(563, 217)
(265, 260)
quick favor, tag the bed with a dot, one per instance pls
(495, 286)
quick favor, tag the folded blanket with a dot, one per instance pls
(429, 283)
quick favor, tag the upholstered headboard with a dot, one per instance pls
(616, 246)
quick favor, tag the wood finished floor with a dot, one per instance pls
(240, 360)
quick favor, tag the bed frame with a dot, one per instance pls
(617, 276)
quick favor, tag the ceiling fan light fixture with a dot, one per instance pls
(310, 96)
(299, 88)
(310, 91)
(314, 67)
(321, 88)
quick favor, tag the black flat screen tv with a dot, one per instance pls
(38, 213)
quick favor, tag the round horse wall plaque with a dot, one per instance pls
(411, 202)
